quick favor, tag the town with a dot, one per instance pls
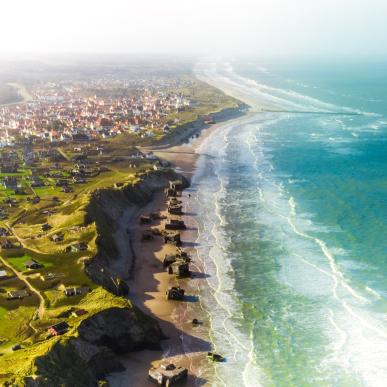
(72, 111)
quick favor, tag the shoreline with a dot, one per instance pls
(186, 345)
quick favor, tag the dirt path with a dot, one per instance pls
(42, 302)
(42, 307)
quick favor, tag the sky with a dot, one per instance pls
(339, 28)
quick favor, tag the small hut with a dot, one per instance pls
(58, 329)
(32, 264)
(167, 374)
(17, 294)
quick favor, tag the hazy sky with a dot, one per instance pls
(259, 27)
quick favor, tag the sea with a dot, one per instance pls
(291, 206)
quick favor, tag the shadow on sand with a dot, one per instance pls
(180, 346)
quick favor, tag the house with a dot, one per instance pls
(46, 227)
(32, 264)
(3, 274)
(58, 329)
(76, 291)
(10, 182)
(57, 238)
(76, 247)
(17, 294)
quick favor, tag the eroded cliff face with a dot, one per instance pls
(122, 330)
(109, 208)
(83, 360)
(86, 358)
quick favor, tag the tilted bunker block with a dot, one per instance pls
(167, 374)
(180, 268)
(173, 239)
(174, 224)
(175, 293)
(175, 210)
(176, 185)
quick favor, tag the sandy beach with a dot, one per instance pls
(185, 345)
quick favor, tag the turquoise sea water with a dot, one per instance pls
(292, 213)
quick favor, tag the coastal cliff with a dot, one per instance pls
(90, 352)
(113, 210)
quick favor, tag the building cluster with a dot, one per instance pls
(67, 111)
